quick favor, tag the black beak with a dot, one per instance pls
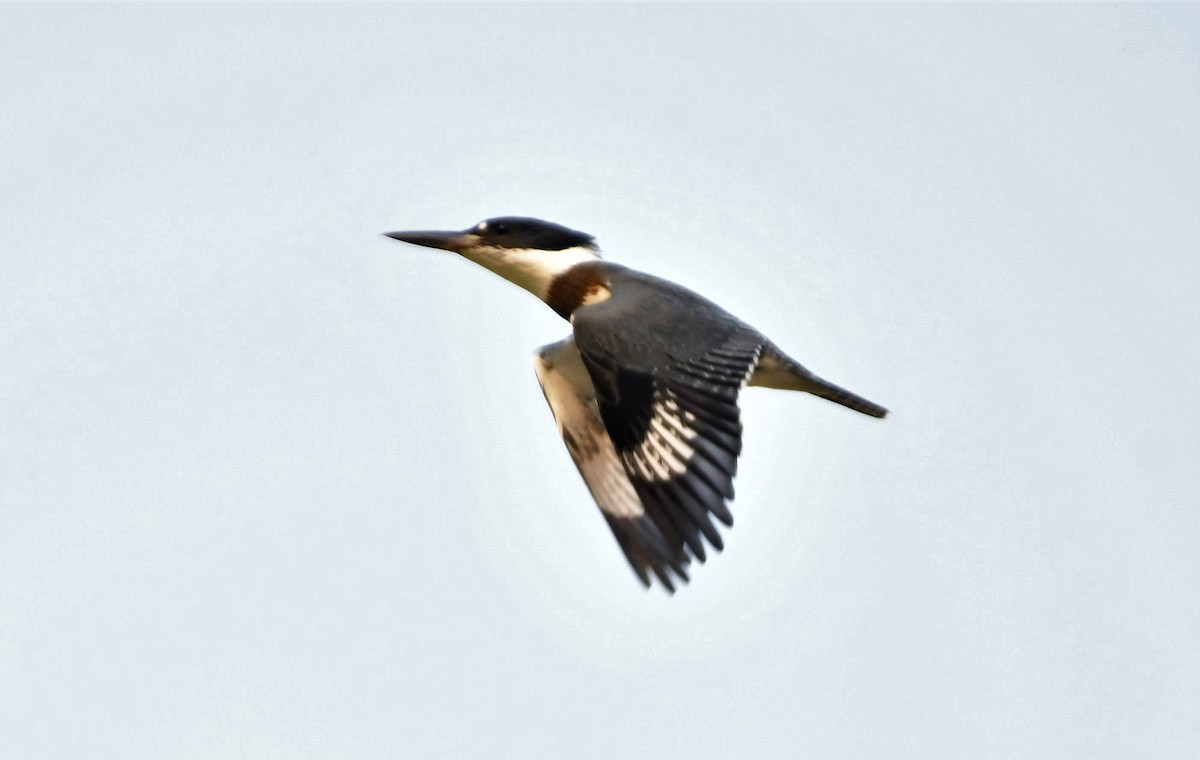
(447, 241)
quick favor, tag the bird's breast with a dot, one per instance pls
(582, 285)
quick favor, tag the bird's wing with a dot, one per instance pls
(667, 366)
(572, 399)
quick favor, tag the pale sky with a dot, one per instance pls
(272, 485)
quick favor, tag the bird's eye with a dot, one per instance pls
(500, 228)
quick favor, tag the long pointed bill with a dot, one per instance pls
(447, 241)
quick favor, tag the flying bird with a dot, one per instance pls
(645, 389)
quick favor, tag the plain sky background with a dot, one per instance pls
(272, 485)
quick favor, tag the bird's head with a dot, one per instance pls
(528, 252)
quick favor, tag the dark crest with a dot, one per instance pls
(527, 232)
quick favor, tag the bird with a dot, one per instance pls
(644, 391)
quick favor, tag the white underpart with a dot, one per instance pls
(530, 268)
(572, 399)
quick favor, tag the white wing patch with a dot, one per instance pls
(572, 399)
(667, 448)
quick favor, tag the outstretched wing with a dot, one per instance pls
(572, 399)
(667, 366)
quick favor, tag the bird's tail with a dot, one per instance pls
(777, 370)
(828, 390)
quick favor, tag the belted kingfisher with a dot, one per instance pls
(645, 389)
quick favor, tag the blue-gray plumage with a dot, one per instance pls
(645, 391)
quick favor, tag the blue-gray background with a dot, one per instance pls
(273, 485)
